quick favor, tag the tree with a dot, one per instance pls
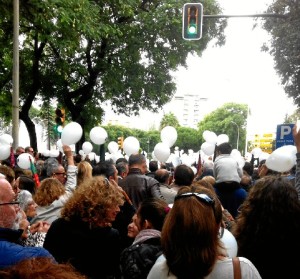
(169, 119)
(220, 121)
(284, 44)
(83, 53)
(188, 138)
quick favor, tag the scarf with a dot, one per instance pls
(143, 235)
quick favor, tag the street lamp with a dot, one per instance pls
(238, 135)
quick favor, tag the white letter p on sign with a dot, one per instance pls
(284, 131)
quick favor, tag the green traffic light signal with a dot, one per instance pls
(192, 21)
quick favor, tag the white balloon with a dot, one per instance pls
(92, 156)
(54, 153)
(6, 139)
(87, 147)
(211, 137)
(222, 138)
(116, 156)
(162, 152)
(131, 145)
(113, 147)
(4, 151)
(81, 152)
(282, 159)
(71, 133)
(46, 153)
(23, 161)
(98, 135)
(263, 156)
(168, 135)
(230, 243)
(205, 134)
(256, 152)
(208, 148)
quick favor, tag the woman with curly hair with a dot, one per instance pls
(50, 198)
(191, 242)
(84, 236)
(267, 228)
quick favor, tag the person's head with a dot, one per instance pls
(248, 168)
(50, 165)
(271, 199)
(27, 204)
(190, 235)
(132, 229)
(183, 175)
(122, 168)
(84, 171)
(20, 150)
(24, 182)
(9, 207)
(122, 159)
(162, 176)
(39, 166)
(9, 174)
(107, 169)
(29, 149)
(40, 268)
(223, 148)
(153, 166)
(138, 161)
(151, 214)
(210, 179)
(96, 202)
(50, 190)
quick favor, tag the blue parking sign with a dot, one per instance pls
(284, 135)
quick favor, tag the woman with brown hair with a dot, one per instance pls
(191, 240)
(84, 235)
(267, 228)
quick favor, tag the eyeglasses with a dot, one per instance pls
(59, 173)
(13, 202)
(201, 197)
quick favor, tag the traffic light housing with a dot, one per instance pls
(120, 142)
(192, 21)
(60, 116)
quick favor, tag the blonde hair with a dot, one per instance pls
(84, 171)
(49, 191)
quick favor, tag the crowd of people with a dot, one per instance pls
(134, 219)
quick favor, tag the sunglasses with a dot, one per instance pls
(201, 197)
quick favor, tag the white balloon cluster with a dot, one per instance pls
(5, 144)
(211, 140)
(168, 136)
(282, 159)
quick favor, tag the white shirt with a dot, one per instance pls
(223, 269)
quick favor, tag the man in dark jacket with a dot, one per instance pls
(10, 251)
(136, 184)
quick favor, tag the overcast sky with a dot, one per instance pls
(239, 71)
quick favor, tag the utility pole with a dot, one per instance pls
(15, 78)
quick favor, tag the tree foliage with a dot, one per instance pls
(169, 119)
(284, 44)
(220, 121)
(83, 53)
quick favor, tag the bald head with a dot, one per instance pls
(162, 176)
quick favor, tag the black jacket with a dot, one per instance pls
(140, 187)
(137, 260)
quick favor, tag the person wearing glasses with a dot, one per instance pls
(10, 251)
(191, 240)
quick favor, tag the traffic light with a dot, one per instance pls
(192, 21)
(120, 142)
(60, 116)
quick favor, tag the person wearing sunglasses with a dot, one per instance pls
(191, 240)
(10, 251)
